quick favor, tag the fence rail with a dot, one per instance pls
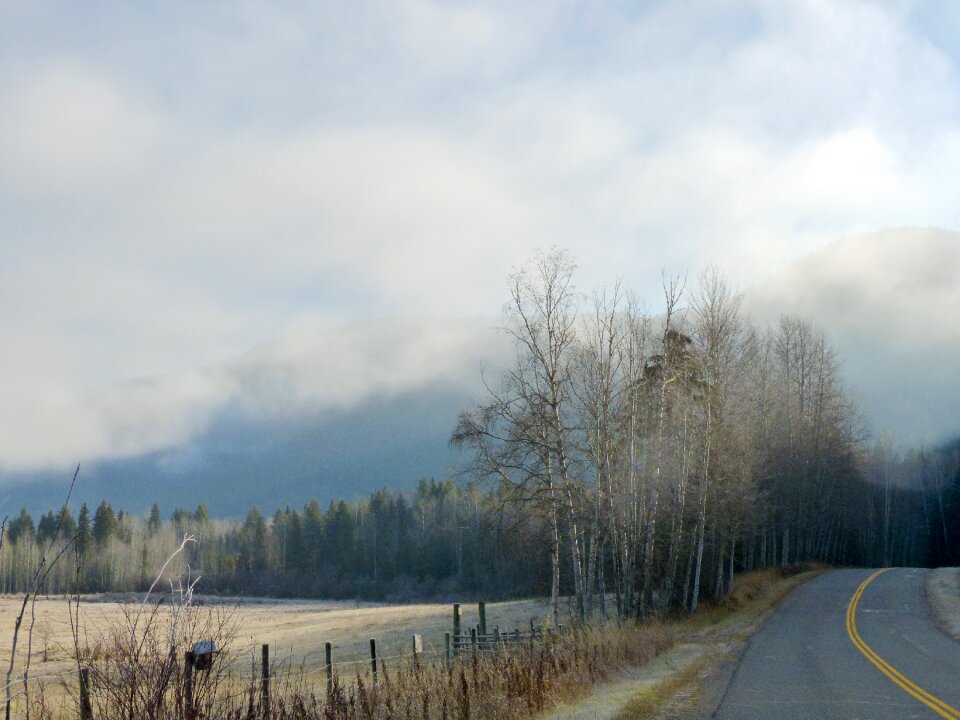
(257, 681)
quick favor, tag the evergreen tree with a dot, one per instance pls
(312, 536)
(154, 523)
(104, 523)
(181, 521)
(84, 536)
(339, 535)
(21, 528)
(295, 549)
(279, 528)
(68, 526)
(47, 527)
(253, 545)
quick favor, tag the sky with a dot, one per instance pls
(182, 181)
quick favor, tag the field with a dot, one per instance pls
(556, 674)
(295, 630)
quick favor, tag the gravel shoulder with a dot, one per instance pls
(943, 597)
(687, 680)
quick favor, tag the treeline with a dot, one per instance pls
(915, 505)
(666, 451)
(443, 540)
(440, 540)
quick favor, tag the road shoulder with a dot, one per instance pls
(942, 594)
(690, 679)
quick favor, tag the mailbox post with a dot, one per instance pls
(203, 652)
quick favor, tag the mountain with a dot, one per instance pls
(890, 303)
(331, 413)
(318, 413)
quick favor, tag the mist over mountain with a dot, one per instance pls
(331, 413)
(317, 413)
(241, 461)
(889, 302)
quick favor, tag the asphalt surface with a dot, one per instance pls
(803, 662)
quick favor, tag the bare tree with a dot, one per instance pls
(522, 434)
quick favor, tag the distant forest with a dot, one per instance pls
(632, 463)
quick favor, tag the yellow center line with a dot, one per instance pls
(908, 686)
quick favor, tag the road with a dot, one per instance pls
(829, 652)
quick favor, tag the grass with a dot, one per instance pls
(136, 675)
(648, 702)
(711, 635)
(132, 674)
(670, 686)
(756, 589)
(295, 630)
(139, 678)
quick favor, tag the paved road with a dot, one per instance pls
(803, 662)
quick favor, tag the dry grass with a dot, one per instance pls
(715, 634)
(649, 701)
(760, 589)
(132, 673)
(134, 677)
(295, 630)
(137, 676)
(670, 686)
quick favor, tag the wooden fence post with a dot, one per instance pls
(483, 617)
(417, 648)
(86, 711)
(456, 627)
(373, 658)
(188, 684)
(446, 643)
(496, 636)
(265, 681)
(473, 640)
(328, 652)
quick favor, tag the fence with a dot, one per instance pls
(260, 680)
(480, 639)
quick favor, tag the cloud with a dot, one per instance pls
(66, 129)
(178, 185)
(307, 373)
(886, 301)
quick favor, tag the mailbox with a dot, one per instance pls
(203, 653)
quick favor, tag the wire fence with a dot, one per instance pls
(236, 678)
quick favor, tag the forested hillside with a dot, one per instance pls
(644, 457)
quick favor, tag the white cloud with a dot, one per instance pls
(887, 301)
(177, 186)
(66, 127)
(312, 370)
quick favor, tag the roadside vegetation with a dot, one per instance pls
(133, 673)
(669, 688)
